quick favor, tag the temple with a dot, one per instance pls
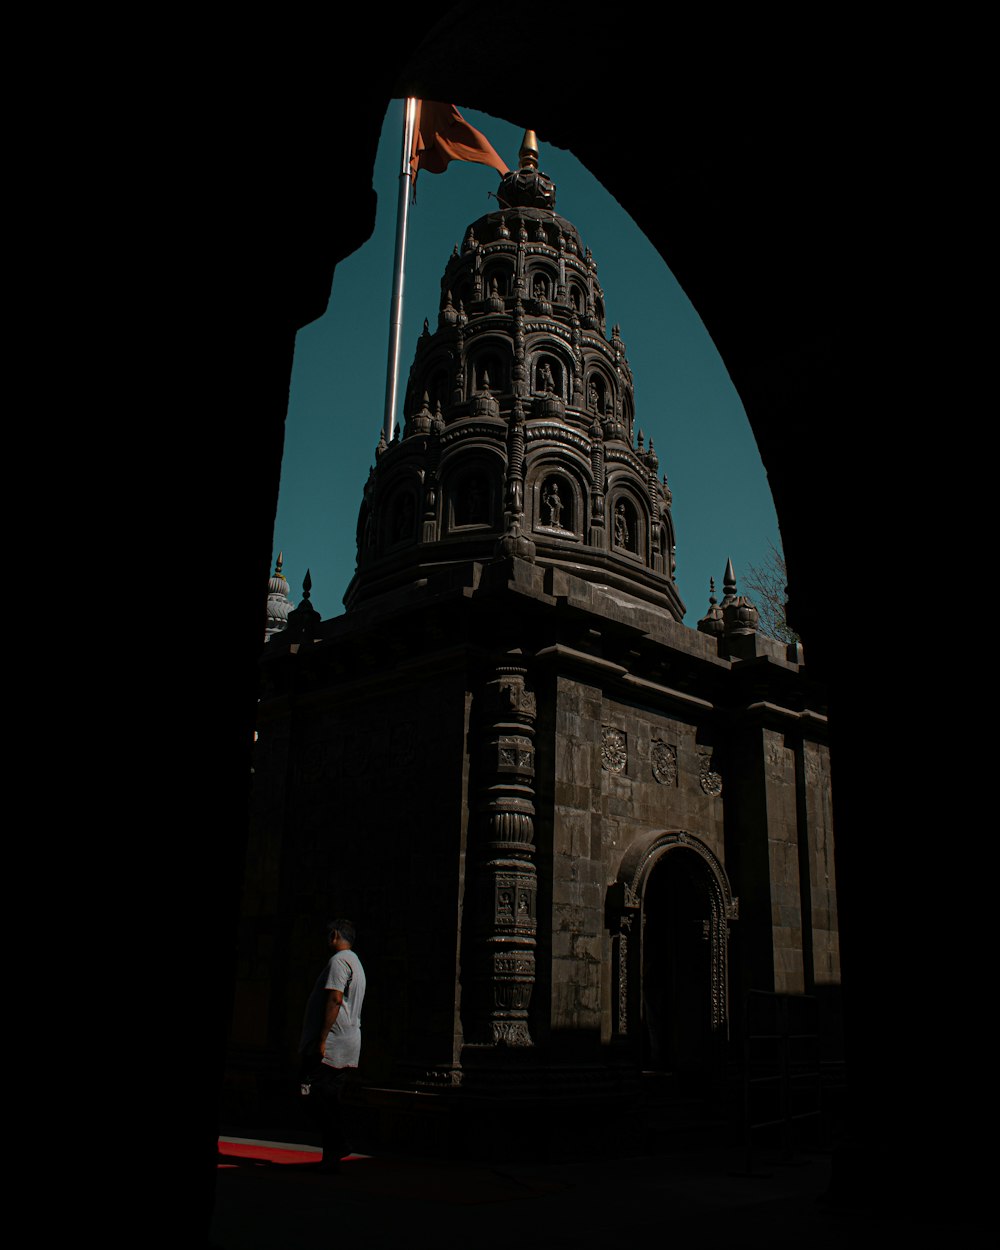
(576, 835)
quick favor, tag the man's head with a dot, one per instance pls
(341, 934)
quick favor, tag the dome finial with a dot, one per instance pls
(527, 186)
(528, 154)
(729, 580)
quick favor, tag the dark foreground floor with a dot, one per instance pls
(699, 1200)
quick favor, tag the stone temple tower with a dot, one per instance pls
(519, 437)
(574, 833)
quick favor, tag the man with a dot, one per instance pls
(331, 1039)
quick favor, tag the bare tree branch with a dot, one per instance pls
(767, 587)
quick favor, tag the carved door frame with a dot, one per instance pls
(625, 922)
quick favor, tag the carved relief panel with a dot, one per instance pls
(614, 749)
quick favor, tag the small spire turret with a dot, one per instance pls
(302, 621)
(278, 605)
(712, 622)
(739, 614)
(728, 582)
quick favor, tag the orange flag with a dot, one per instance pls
(442, 134)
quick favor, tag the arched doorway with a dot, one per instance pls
(676, 965)
(669, 914)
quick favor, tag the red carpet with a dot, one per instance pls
(273, 1154)
(457, 1184)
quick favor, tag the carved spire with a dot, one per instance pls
(448, 315)
(303, 620)
(712, 622)
(420, 422)
(728, 582)
(278, 605)
(738, 613)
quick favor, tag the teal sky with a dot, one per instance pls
(684, 399)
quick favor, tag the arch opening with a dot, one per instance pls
(677, 1029)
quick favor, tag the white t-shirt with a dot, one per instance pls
(343, 1044)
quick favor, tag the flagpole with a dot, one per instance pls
(398, 270)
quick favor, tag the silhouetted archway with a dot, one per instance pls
(761, 201)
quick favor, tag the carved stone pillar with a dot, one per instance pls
(653, 493)
(429, 525)
(502, 959)
(597, 489)
(520, 374)
(515, 466)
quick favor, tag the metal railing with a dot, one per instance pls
(782, 1084)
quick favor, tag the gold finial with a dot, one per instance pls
(528, 155)
(278, 564)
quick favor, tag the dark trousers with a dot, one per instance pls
(326, 1106)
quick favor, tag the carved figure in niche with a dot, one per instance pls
(553, 505)
(540, 290)
(592, 396)
(505, 905)
(546, 381)
(472, 506)
(621, 527)
(403, 519)
(473, 499)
